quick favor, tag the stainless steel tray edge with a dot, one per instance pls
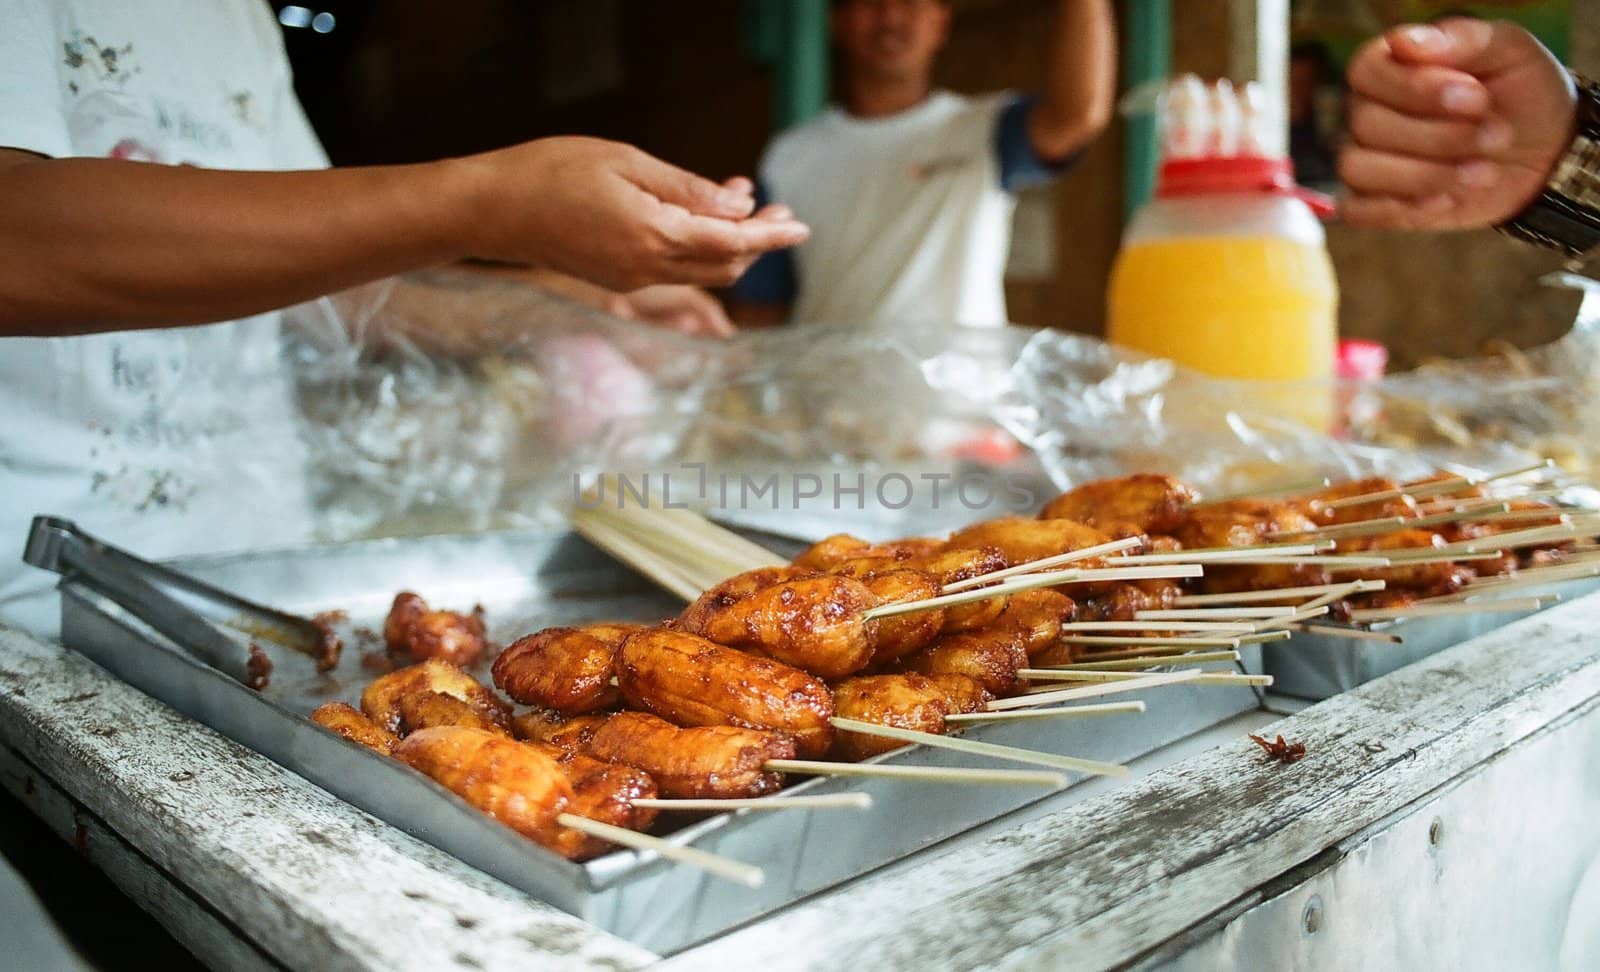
(1316, 667)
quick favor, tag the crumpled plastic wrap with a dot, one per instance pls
(451, 401)
(1090, 410)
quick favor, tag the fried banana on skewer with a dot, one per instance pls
(1423, 580)
(832, 551)
(428, 710)
(601, 791)
(512, 782)
(707, 762)
(568, 733)
(1021, 540)
(566, 669)
(381, 700)
(898, 636)
(735, 589)
(1038, 616)
(348, 722)
(814, 623)
(1148, 502)
(991, 657)
(416, 632)
(690, 681)
(906, 701)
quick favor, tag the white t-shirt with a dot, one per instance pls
(910, 216)
(164, 441)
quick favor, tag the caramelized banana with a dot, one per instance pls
(814, 623)
(512, 782)
(990, 657)
(416, 632)
(708, 762)
(829, 552)
(567, 733)
(566, 669)
(600, 791)
(1149, 502)
(908, 701)
(694, 682)
(348, 722)
(428, 710)
(381, 700)
(1038, 617)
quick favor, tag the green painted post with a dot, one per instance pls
(802, 89)
(791, 36)
(1146, 57)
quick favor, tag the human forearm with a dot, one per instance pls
(96, 244)
(90, 244)
(1080, 88)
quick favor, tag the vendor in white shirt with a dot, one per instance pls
(909, 191)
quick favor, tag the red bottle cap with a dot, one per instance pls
(1240, 173)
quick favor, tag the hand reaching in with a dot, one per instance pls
(1452, 125)
(614, 215)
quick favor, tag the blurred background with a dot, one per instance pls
(704, 84)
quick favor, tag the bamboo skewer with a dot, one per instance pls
(1243, 627)
(1012, 753)
(625, 549)
(1495, 543)
(1141, 645)
(1030, 582)
(931, 774)
(1282, 593)
(1202, 614)
(1119, 681)
(1282, 489)
(1508, 606)
(826, 801)
(1047, 563)
(1135, 684)
(1141, 661)
(1331, 561)
(1213, 555)
(1058, 712)
(736, 871)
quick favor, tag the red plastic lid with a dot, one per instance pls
(1362, 360)
(1242, 173)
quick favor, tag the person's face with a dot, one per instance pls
(890, 39)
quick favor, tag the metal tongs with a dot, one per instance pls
(197, 622)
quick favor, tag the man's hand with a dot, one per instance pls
(1452, 125)
(614, 215)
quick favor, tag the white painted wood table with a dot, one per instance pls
(1221, 859)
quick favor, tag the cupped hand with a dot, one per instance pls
(614, 215)
(1453, 125)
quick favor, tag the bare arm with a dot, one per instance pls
(95, 244)
(1080, 90)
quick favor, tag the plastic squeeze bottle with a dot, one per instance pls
(1226, 271)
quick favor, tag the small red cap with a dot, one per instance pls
(1240, 173)
(1362, 360)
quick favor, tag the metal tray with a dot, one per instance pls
(1316, 667)
(527, 580)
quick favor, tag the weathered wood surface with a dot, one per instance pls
(210, 936)
(1101, 883)
(314, 883)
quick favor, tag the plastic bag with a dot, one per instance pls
(450, 402)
